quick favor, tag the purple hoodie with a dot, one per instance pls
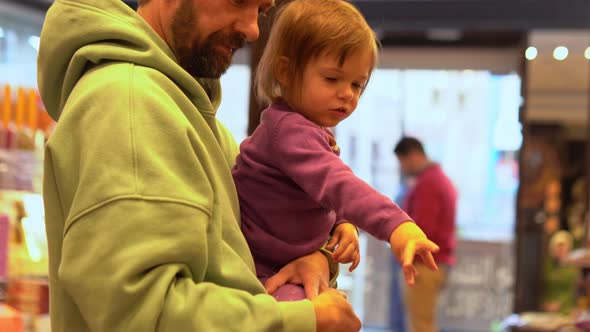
(292, 185)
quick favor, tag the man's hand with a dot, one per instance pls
(346, 236)
(334, 314)
(311, 271)
(408, 240)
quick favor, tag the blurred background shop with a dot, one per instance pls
(498, 91)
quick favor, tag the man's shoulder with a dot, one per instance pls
(115, 74)
(433, 176)
(434, 179)
(124, 87)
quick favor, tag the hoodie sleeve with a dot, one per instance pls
(303, 153)
(147, 279)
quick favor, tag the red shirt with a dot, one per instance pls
(432, 203)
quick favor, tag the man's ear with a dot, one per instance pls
(281, 71)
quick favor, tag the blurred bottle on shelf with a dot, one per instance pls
(24, 131)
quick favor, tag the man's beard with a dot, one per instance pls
(201, 60)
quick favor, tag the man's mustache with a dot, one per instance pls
(233, 40)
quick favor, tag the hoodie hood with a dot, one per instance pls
(80, 34)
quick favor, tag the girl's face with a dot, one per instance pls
(329, 91)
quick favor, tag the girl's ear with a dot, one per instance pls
(281, 71)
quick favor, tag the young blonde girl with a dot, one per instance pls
(294, 190)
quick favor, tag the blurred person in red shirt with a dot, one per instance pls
(431, 201)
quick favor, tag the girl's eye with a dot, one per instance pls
(330, 79)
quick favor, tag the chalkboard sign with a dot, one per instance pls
(479, 289)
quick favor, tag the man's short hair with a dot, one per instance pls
(407, 145)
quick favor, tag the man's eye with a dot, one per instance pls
(262, 13)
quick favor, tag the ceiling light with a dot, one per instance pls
(531, 53)
(560, 53)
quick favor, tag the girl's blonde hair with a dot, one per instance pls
(306, 29)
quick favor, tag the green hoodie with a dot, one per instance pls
(141, 211)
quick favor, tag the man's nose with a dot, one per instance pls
(248, 26)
